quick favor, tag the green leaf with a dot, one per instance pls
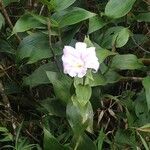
(27, 22)
(127, 61)
(143, 17)
(52, 107)
(140, 39)
(83, 93)
(118, 8)
(39, 76)
(101, 138)
(102, 54)
(3, 129)
(5, 47)
(61, 4)
(7, 2)
(88, 42)
(143, 141)
(2, 21)
(115, 36)
(96, 23)
(112, 76)
(121, 38)
(146, 84)
(61, 84)
(80, 118)
(85, 143)
(34, 47)
(123, 137)
(73, 16)
(50, 142)
(145, 128)
(97, 80)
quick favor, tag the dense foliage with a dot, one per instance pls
(43, 108)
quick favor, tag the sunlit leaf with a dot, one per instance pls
(146, 84)
(95, 23)
(59, 5)
(50, 142)
(118, 8)
(61, 84)
(128, 61)
(34, 47)
(27, 22)
(80, 118)
(72, 16)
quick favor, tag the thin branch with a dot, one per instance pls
(34, 138)
(140, 46)
(42, 8)
(4, 11)
(145, 61)
(7, 106)
(135, 79)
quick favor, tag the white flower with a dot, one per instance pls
(77, 60)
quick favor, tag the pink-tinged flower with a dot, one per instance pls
(77, 60)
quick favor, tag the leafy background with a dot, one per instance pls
(35, 107)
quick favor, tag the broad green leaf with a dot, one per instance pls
(80, 117)
(83, 93)
(5, 47)
(127, 61)
(61, 84)
(39, 76)
(50, 142)
(7, 2)
(85, 143)
(2, 20)
(72, 16)
(112, 76)
(115, 36)
(141, 109)
(121, 38)
(34, 48)
(52, 107)
(59, 5)
(146, 84)
(102, 54)
(123, 138)
(118, 8)
(143, 17)
(3, 129)
(27, 22)
(97, 80)
(96, 23)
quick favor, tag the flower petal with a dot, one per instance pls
(92, 64)
(80, 46)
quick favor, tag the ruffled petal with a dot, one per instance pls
(77, 60)
(92, 64)
(80, 46)
(82, 72)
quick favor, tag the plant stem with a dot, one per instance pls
(4, 11)
(7, 106)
